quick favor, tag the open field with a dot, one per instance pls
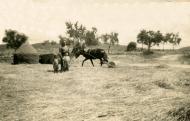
(138, 89)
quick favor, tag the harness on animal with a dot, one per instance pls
(88, 52)
(95, 52)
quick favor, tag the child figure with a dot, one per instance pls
(67, 58)
(56, 64)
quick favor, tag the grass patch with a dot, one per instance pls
(151, 54)
(184, 78)
(162, 66)
(148, 52)
(184, 81)
(185, 58)
(142, 87)
(181, 113)
(2, 78)
(163, 84)
(128, 92)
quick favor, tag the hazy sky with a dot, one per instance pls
(45, 19)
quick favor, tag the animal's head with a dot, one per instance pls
(77, 52)
(105, 57)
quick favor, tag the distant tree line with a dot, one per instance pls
(49, 42)
(155, 38)
(74, 31)
(78, 32)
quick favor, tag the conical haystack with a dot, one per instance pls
(26, 53)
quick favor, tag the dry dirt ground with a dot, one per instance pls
(136, 90)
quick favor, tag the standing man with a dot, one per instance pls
(63, 52)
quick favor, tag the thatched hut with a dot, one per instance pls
(26, 53)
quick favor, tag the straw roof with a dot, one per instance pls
(26, 48)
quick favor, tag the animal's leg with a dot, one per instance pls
(101, 62)
(92, 62)
(84, 61)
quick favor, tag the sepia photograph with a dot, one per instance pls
(94, 60)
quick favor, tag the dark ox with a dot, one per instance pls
(91, 54)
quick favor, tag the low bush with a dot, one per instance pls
(132, 46)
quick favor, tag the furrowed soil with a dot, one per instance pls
(137, 89)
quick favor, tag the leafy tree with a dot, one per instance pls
(141, 37)
(70, 30)
(75, 31)
(158, 36)
(78, 32)
(14, 39)
(175, 40)
(149, 38)
(90, 38)
(166, 38)
(132, 46)
(113, 39)
(110, 39)
(105, 38)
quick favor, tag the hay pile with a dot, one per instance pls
(46, 58)
(111, 64)
(26, 54)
